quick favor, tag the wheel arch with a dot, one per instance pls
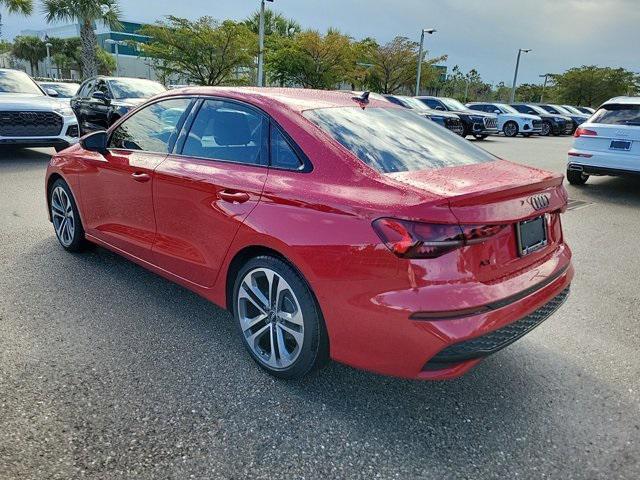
(50, 181)
(251, 251)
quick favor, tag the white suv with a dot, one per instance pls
(30, 118)
(510, 121)
(608, 143)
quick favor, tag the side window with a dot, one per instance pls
(87, 89)
(228, 131)
(152, 129)
(282, 155)
(102, 87)
(433, 103)
(479, 108)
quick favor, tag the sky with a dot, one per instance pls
(480, 34)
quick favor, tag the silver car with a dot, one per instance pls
(31, 118)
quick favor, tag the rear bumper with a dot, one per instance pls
(604, 163)
(385, 335)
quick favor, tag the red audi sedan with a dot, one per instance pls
(330, 225)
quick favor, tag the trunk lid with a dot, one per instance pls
(496, 193)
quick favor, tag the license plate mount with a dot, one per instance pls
(620, 145)
(532, 235)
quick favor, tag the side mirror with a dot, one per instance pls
(439, 107)
(497, 111)
(101, 96)
(95, 142)
(51, 92)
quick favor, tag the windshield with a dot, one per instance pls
(506, 108)
(453, 104)
(538, 109)
(413, 103)
(135, 88)
(396, 140)
(18, 82)
(572, 109)
(65, 90)
(617, 114)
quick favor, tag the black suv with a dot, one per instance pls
(478, 124)
(448, 120)
(558, 110)
(101, 101)
(552, 124)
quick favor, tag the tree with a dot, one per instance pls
(591, 85)
(395, 64)
(25, 7)
(31, 49)
(312, 60)
(274, 24)
(5, 46)
(530, 92)
(85, 12)
(205, 51)
(106, 62)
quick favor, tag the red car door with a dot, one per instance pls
(117, 187)
(203, 194)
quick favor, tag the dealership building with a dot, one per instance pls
(130, 61)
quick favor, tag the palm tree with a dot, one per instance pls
(25, 7)
(31, 49)
(86, 13)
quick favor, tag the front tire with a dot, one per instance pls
(546, 129)
(65, 217)
(577, 178)
(510, 129)
(278, 318)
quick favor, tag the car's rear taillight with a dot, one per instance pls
(429, 240)
(584, 132)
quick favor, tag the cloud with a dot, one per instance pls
(481, 34)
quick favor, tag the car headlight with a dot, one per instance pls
(476, 119)
(64, 111)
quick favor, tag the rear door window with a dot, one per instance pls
(228, 131)
(617, 114)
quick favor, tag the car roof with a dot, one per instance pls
(297, 99)
(624, 100)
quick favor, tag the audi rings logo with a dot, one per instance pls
(28, 115)
(538, 202)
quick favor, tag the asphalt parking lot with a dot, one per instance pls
(108, 371)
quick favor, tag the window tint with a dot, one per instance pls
(228, 131)
(396, 140)
(617, 114)
(479, 108)
(282, 155)
(86, 89)
(152, 129)
(432, 103)
(102, 87)
(522, 108)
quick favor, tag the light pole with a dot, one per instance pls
(544, 85)
(260, 81)
(48, 45)
(430, 31)
(515, 74)
(117, 43)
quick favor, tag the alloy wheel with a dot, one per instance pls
(270, 318)
(546, 129)
(62, 215)
(510, 129)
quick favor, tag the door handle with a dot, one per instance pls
(141, 176)
(233, 197)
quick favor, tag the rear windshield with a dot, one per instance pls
(616, 114)
(396, 140)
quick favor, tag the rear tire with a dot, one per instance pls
(65, 217)
(577, 178)
(278, 318)
(510, 129)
